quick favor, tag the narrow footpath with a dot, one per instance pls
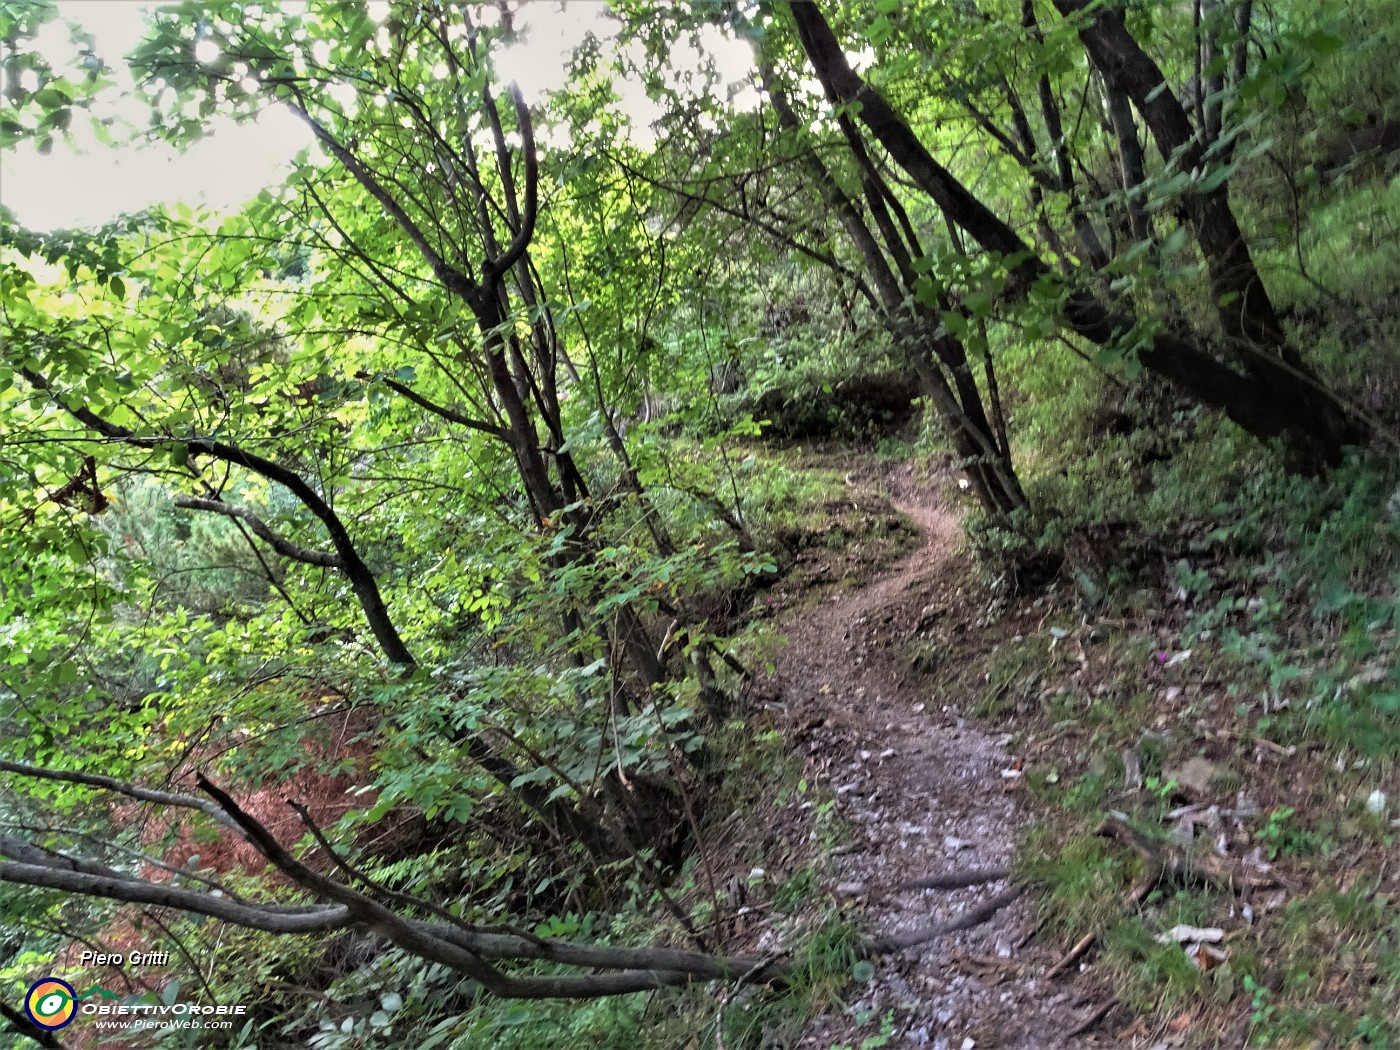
(924, 793)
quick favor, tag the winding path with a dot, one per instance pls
(923, 792)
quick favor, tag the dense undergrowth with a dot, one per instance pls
(1227, 686)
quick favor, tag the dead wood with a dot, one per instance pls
(957, 880)
(967, 920)
(1097, 1015)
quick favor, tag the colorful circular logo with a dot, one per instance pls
(51, 1004)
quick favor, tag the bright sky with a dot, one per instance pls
(83, 183)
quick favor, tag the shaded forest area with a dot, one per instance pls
(414, 582)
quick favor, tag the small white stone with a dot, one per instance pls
(1375, 803)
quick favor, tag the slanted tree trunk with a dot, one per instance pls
(1250, 323)
(1286, 407)
(934, 356)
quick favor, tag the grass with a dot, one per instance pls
(1284, 591)
(823, 968)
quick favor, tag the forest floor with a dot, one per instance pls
(921, 793)
(1205, 830)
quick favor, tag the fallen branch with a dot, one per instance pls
(1029, 935)
(957, 880)
(1083, 945)
(967, 920)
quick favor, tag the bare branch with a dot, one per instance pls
(451, 415)
(445, 273)
(260, 529)
(160, 798)
(463, 948)
(362, 579)
(163, 895)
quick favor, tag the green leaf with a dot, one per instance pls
(1321, 42)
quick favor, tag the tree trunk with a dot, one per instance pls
(1285, 407)
(1131, 167)
(1252, 330)
(989, 468)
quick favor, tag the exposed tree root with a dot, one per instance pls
(957, 880)
(967, 920)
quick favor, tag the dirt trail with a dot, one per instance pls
(924, 793)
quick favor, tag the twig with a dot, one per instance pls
(1094, 1018)
(1029, 935)
(1085, 943)
(729, 993)
(1135, 896)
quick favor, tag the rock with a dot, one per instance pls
(1132, 769)
(1195, 776)
(1193, 934)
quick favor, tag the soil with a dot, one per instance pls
(924, 794)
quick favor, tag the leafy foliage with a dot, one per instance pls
(429, 487)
